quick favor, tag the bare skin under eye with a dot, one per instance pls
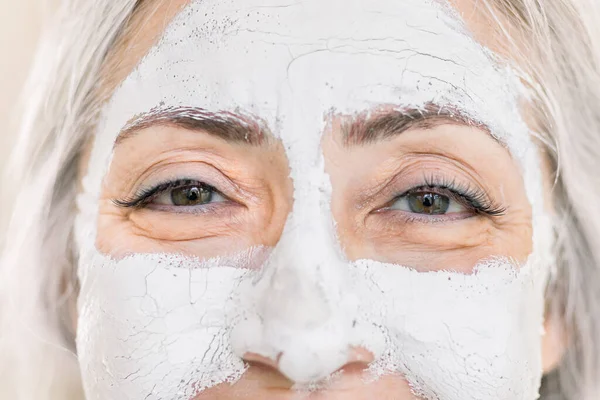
(250, 197)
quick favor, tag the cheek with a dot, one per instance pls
(157, 324)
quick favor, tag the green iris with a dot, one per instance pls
(191, 195)
(428, 203)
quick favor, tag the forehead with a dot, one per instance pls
(348, 55)
(293, 63)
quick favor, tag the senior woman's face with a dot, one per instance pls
(321, 199)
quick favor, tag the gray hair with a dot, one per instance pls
(555, 41)
(559, 46)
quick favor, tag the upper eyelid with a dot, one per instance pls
(199, 171)
(443, 188)
(412, 165)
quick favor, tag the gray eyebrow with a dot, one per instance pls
(239, 127)
(227, 125)
(378, 126)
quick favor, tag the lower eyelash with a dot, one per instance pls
(432, 219)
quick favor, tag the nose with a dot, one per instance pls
(300, 315)
(300, 318)
(358, 358)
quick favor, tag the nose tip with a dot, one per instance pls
(299, 372)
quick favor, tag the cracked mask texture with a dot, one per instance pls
(158, 326)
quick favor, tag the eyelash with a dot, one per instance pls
(144, 196)
(473, 198)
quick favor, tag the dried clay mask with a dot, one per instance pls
(166, 326)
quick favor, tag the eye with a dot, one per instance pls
(428, 203)
(190, 195)
(178, 193)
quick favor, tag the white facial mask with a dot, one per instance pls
(165, 326)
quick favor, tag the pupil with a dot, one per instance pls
(428, 200)
(191, 195)
(428, 203)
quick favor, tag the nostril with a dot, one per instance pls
(357, 360)
(262, 360)
(359, 354)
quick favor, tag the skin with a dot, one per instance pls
(258, 197)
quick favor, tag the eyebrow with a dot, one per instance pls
(372, 127)
(238, 127)
(229, 126)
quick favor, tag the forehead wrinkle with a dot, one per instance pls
(362, 43)
(227, 125)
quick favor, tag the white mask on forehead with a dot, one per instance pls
(167, 326)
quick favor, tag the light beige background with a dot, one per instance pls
(19, 29)
(20, 22)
